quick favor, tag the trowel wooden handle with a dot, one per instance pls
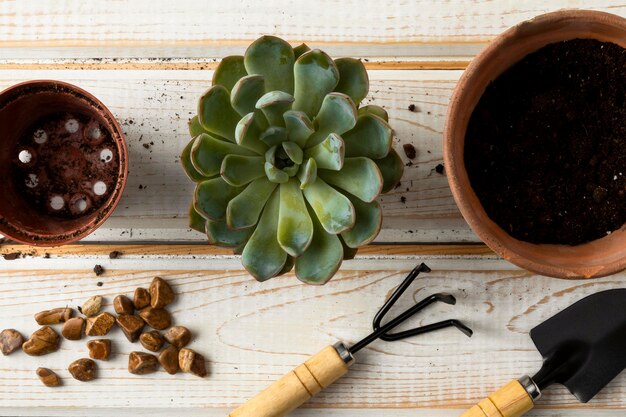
(511, 401)
(299, 385)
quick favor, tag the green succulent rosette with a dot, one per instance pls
(288, 166)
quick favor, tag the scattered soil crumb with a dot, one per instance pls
(115, 254)
(11, 256)
(409, 150)
(413, 108)
(403, 199)
(99, 283)
(98, 270)
(439, 169)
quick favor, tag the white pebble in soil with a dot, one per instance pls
(25, 156)
(32, 181)
(94, 133)
(40, 136)
(99, 188)
(106, 155)
(80, 205)
(71, 126)
(57, 202)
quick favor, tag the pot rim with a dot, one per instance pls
(104, 212)
(509, 248)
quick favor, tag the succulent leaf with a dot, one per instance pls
(274, 135)
(333, 209)
(295, 228)
(300, 49)
(329, 154)
(219, 234)
(207, 154)
(289, 263)
(348, 252)
(263, 257)
(315, 76)
(392, 168)
(299, 127)
(359, 176)
(185, 159)
(273, 105)
(247, 134)
(273, 58)
(371, 137)
(196, 221)
(216, 114)
(337, 115)
(195, 128)
(375, 110)
(244, 210)
(229, 71)
(294, 152)
(307, 173)
(212, 196)
(274, 174)
(369, 219)
(238, 170)
(246, 93)
(323, 257)
(353, 79)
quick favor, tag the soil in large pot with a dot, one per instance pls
(545, 148)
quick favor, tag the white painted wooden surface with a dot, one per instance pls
(148, 61)
(252, 333)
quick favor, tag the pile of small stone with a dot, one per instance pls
(150, 307)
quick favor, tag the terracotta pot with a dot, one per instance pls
(593, 259)
(24, 106)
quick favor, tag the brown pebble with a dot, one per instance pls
(115, 254)
(54, 316)
(131, 325)
(48, 377)
(10, 341)
(141, 363)
(157, 318)
(42, 342)
(161, 294)
(100, 325)
(92, 306)
(73, 328)
(178, 336)
(83, 369)
(99, 349)
(409, 150)
(169, 360)
(152, 340)
(123, 305)
(191, 362)
(98, 270)
(141, 298)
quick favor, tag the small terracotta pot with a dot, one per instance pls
(593, 259)
(22, 107)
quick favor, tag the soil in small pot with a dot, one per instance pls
(66, 165)
(545, 148)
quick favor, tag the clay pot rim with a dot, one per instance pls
(509, 248)
(103, 213)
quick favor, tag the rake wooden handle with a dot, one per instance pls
(296, 387)
(510, 401)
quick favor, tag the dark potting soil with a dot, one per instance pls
(66, 165)
(545, 148)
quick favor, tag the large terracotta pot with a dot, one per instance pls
(23, 106)
(593, 259)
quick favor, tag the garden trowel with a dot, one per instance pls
(584, 348)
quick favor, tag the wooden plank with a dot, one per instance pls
(208, 29)
(252, 333)
(154, 106)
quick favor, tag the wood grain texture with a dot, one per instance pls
(253, 333)
(212, 28)
(153, 108)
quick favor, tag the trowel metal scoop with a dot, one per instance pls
(584, 348)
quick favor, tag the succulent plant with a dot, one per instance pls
(287, 166)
